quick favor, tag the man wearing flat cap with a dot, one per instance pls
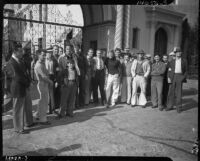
(177, 73)
(140, 71)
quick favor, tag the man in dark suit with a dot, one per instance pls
(176, 75)
(20, 83)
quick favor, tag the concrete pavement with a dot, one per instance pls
(119, 131)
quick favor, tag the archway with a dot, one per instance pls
(160, 46)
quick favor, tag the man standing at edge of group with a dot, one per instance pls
(177, 76)
(43, 87)
(19, 85)
(114, 70)
(99, 79)
(157, 73)
(140, 70)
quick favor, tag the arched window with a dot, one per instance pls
(160, 46)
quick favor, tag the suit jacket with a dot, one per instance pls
(171, 69)
(20, 79)
(145, 65)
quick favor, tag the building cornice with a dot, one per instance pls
(161, 9)
(100, 24)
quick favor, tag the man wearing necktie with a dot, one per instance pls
(99, 78)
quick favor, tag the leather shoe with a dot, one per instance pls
(143, 106)
(22, 132)
(31, 125)
(107, 106)
(178, 109)
(154, 106)
(161, 108)
(45, 123)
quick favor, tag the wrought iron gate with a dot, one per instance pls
(37, 26)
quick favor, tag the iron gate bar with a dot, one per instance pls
(43, 22)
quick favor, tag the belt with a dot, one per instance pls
(178, 73)
(100, 69)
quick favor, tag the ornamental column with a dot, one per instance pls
(127, 16)
(119, 26)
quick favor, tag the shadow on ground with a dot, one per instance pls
(50, 151)
(190, 91)
(79, 116)
(156, 139)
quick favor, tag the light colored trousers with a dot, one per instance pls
(126, 89)
(139, 81)
(22, 111)
(43, 101)
(112, 85)
(18, 113)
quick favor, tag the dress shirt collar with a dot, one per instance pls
(14, 57)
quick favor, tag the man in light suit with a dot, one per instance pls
(140, 71)
(177, 76)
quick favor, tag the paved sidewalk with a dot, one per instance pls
(119, 131)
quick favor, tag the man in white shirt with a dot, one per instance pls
(177, 73)
(99, 78)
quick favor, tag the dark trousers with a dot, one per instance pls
(99, 81)
(57, 96)
(80, 94)
(68, 98)
(28, 108)
(175, 91)
(165, 91)
(51, 101)
(156, 92)
(148, 89)
(93, 85)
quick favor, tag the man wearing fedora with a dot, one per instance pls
(140, 71)
(177, 73)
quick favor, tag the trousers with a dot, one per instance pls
(139, 81)
(156, 92)
(68, 97)
(28, 108)
(99, 82)
(88, 89)
(126, 89)
(18, 113)
(112, 88)
(43, 101)
(175, 91)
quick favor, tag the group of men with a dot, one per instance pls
(69, 79)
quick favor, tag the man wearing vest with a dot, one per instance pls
(176, 75)
(140, 70)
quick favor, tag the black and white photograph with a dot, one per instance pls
(100, 80)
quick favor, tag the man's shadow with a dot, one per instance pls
(188, 103)
(191, 91)
(79, 116)
(50, 151)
